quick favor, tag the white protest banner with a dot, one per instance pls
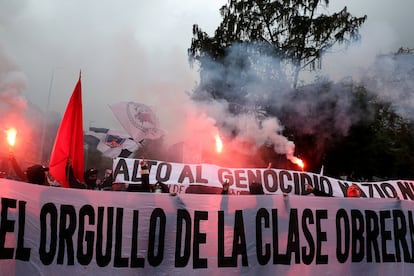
(180, 176)
(62, 231)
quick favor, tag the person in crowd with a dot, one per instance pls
(21, 175)
(225, 185)
(353, 191)
(254, 188)
(91, 179)
(90, 176)
(35, 174)
(107, 181)
(160, 187)
(72, 180)
(310, 189)
(145, 171)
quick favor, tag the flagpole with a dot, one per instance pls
(46, 114)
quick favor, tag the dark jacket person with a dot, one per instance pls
(36, 174)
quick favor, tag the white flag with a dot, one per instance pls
(138, 120)
(110, 142)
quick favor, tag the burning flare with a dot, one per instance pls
(299, 162)
(11, 136)
(219, 144)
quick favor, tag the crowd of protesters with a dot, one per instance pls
(38, 174)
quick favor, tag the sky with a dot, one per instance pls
(137, 51)
(132, 51)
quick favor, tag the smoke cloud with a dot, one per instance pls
(134, 51)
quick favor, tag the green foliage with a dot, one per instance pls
(293, 31)
(379, 147)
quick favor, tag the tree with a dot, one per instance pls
(293, 31)
(379, 146)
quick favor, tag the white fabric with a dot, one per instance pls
(113, 147)
(138, 120)
(226, 235)
(274, 181)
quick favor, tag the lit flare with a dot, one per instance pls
(11, 136)
(300, 163)
(219, 144)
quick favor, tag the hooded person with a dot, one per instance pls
(36, 174)
(91, 178)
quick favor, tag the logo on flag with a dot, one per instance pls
(142, 117)
(113, 141)
(138, 120)
(110, 142)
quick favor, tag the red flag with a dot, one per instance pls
(68, 145)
